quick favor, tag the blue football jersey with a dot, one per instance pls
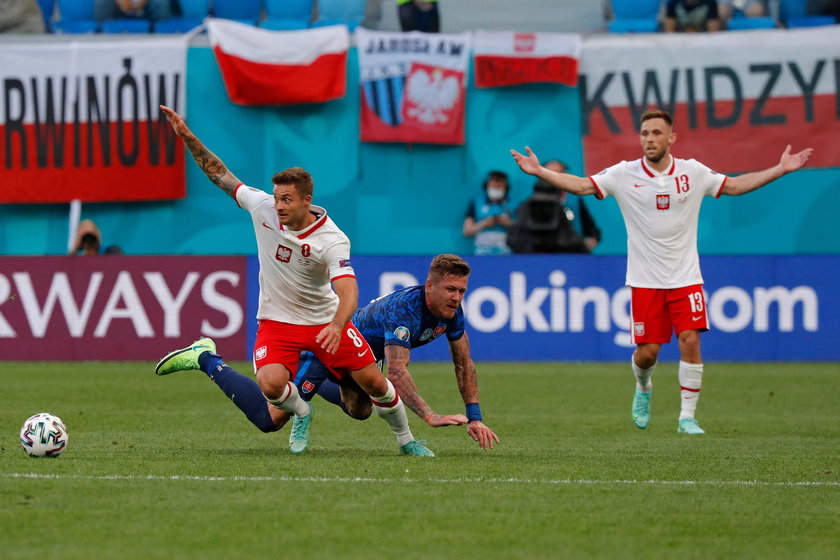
(402, 318)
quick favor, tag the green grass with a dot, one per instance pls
(167, 468)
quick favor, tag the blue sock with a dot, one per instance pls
(241, 389)
(331, 392)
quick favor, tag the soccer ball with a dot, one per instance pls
(43, 435)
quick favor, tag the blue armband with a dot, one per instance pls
(473, 412)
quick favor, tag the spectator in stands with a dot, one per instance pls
(691, 16)
(552, 221)
(573, 206)
(89, 241)
(727, 9)
(824, 8)
(21, 16)
(489, 217)
(419, 15)
(119, 9)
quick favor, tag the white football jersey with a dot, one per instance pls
(661, 212)
(296, 267)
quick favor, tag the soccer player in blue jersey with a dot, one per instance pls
(392, 325)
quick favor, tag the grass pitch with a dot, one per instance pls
(167, 468)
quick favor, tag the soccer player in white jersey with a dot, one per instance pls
(302, 253)
(659, 197)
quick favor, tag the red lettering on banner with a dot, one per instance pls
(498, 71)
(82, 161)
(119, 308)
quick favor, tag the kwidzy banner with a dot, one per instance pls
(737, 98)
(80, 120)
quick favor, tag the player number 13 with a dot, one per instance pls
(696, 302)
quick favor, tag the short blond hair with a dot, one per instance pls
(448, 265)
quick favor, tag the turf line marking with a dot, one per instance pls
(566, 481)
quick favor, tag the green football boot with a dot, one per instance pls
(299, 436)
(690, 426)
(185, 358)
(641, 409)
(416, 448)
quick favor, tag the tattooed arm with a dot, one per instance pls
(209, 162)
(397, 358)
(468, 386)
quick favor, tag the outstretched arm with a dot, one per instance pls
(530, 164)
(212, 166)
(468, 386)
(749, 182)
(397, 358)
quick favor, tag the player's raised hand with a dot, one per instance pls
(792, 162)
(485, 437)
(436, 420)
(177, 122)
(530, 164)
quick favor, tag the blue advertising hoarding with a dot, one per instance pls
(576, 308)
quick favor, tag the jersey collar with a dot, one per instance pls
(320, 219)
(654, 173)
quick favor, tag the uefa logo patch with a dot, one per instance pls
(402, 333)
(261, 353)
(639, 329)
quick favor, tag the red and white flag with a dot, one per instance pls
(505, 58)
(79, 118)
(262, 67)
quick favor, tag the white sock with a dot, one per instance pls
(691, 377)
(390, 408)
(290, 401)
(644, 383)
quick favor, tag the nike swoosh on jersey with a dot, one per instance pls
(637, 185)
(360, 354)
(696, 318)
(265, 225)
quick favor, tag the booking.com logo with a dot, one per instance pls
(558, 307)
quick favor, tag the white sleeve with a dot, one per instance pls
(606, 180)
(250, 198)
(710, 181)
(337, 259)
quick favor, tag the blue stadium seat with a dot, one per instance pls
(194, 9)
(633, 25)
(335, 12)
(287, 14)
(244, 11)
(76, 27)
(76, 17)
(283, 24)
(47, 10)
(632, 9)
(792, 9)
(744, 23)
(810, 21)
(127, 25)
(176, 25)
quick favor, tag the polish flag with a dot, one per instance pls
(262, 67)
(505, 58)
